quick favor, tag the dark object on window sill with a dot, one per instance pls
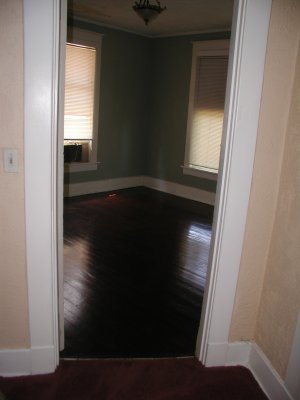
(72, 153)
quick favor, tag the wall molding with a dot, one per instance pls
(249, 355)
(106, 185)
(292, 376)
(146, 35)
(270, 381)
(228, 354)
(21, 362)
(238, 353)
(187, 192)
(15, 362)
(43, 360)
(103, 185)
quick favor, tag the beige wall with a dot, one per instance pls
(280, 302)
(13, 287)
(265, 304)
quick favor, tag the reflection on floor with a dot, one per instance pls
(135, 269)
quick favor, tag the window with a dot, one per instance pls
(206, 108)
(82, 86)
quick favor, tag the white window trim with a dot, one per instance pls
(208, 48)
(199, 172)
(92, 39)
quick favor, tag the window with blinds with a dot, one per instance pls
(206, 132)
(79, 92)
(206, 109)
(82, 93)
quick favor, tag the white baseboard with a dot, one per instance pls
(292, 377)
(176, 189)
(106, 185)
(216, 354)
(43, 360)
(238, 353)
(251, 356)
(34, 361)
(227, 354)
(15, 362)
(269, 380)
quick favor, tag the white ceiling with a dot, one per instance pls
(181, 16)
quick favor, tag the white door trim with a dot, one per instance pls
(245, 76)
(41, 54)
(41, 38)
(60, 172)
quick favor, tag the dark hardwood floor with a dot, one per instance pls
(135, 268)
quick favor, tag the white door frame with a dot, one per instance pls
(41, 44)
(242, 105)
(60, 172)
(41, 73)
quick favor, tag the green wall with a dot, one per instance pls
(171, 68)
(124, 65)
(144, 96)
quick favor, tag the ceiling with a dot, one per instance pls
(181, 16)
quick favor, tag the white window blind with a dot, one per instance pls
(208, 112)
(79, 92)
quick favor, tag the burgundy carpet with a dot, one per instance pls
(135, 379)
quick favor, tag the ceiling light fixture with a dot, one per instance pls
(148, 11)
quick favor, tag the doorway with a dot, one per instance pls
(125, 144)
(251, 21)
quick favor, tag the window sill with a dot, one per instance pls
(200, 173)
(80, 166)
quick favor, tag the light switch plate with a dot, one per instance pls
(10, 158)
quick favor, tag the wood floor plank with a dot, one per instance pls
(135, 270)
